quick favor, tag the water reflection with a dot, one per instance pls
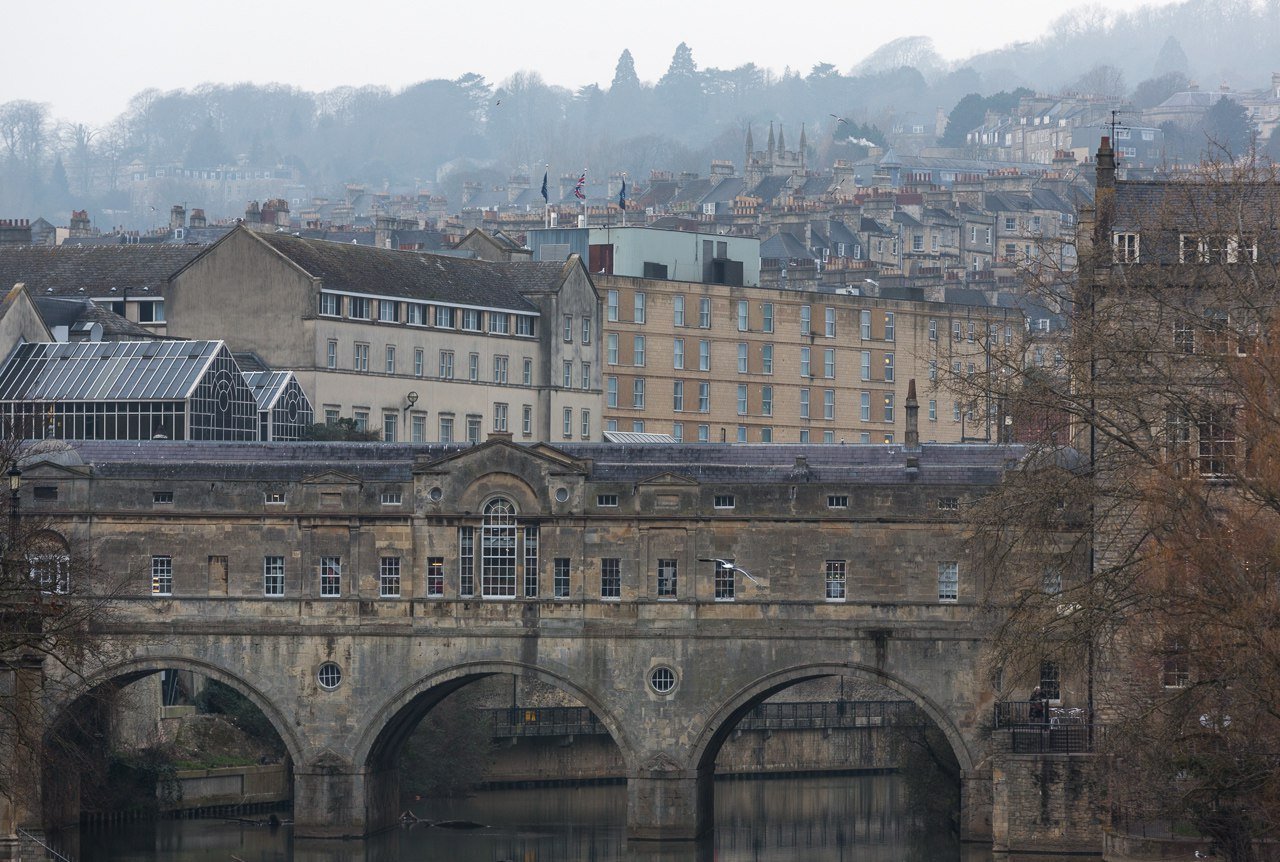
(837, 819)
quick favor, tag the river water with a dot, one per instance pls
(827, 819)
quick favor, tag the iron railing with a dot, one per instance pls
(1017, 713)
(1055, 738)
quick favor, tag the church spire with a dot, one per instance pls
(771, 137)
(782, 142)
(751, 145)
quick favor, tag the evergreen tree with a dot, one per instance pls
(624, 75)
(1171, 58)
(683, 70)
(1226, 126)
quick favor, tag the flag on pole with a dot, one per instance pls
(622, 196)
(577, 189)
(544, 186)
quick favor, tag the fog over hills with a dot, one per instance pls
(437, 134)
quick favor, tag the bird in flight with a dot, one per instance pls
(839, 120)
(728, 565)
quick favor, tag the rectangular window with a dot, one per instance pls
(611, 391)
(161, 575)
(331, 354)
(446, 429)
(531, 562)
(1124, 247)
(419, 362)
(388, 311)
(704, 312)
(830, 315)
(330, 576)
(804, 403)
(725, 581)
(864, 406)
(161, 498)
(435, 577)
(473, 366)
(948, 581)
(389, 578)
(639, 307)
(948, 504)
(389, 422)
(889, 326)
(586, 424)
(667, 574)
(704, 355)
(806, 320)
(766, 359)
(526, 371)
(888, 368)
(566, 369)
(611, 348)
(568, 327)
(677, 396)
(766, 400)
(806, 362)
(1050, 680)
(389, 364)
(415, 313)
(677, 311)
(560, 578)
(391, 498)
(418, 428)
(835, 578)
(474, 423)
(933, 410)
(586, 330)
(330, 304)
(704, 433)
(499, 369)
(524, 325)
(742, 357)
(471, 319)
(677, 354)
(526, 420)
(446, 364)
(611, 578)
(637, 393)
(358, 308)
(865, 365)
(677, 431)
(444, 317)
(567, 423)
(499, 417)
(704, 397)
(273, 576)
(829, 363)
(864, 322)
(637, 351)
(742, 399)
(1177, 664)
(1052, 581)
(888, 407)
(466, 561)
(611, 306)
(837, 501)
(360, 357)
(933, 330)
(742, 315)
(722, 501)
(607, 501)
(586, 375)
(828, 404)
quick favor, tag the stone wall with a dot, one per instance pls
(1046, 802)
(232, 785)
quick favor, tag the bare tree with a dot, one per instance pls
(1136, 549)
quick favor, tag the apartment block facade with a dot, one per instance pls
(716, 363)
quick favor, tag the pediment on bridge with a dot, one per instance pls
(668, 479)
(42, 469)
(500, 448)
(331, 477)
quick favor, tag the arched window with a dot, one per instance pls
(498, 550)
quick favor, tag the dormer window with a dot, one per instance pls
(1124, 247)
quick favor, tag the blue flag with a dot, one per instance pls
(622, 196)
(544, 187)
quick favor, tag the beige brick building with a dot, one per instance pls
(715, 363)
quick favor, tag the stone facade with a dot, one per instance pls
(329, 584)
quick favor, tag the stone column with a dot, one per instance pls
(667, 802)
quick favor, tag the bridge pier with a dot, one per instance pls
(668, 803)
(330, 800)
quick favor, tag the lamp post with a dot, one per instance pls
(15, 486)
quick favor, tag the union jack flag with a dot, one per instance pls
(577, 189)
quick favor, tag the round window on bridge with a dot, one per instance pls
(562, 494)
(329, 676)
(435, 494)
(662, 679)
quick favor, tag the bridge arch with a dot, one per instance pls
(132, 670)
(722, 722)
(391, 724)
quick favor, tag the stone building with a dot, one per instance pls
(421, 347)
(716, 363)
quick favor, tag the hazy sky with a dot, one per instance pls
(87, 57)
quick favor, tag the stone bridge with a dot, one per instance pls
(347, 589)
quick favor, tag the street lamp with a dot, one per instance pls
(15, 485)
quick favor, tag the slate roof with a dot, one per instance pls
(783, 246)
(75, 313)
(769, 188)
(711, 463)
(106, 370)
(413, 275)
(96, 270)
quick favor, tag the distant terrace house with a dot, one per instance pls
(421, 347)
(145, 390)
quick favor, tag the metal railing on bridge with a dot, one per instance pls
(802, 715)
